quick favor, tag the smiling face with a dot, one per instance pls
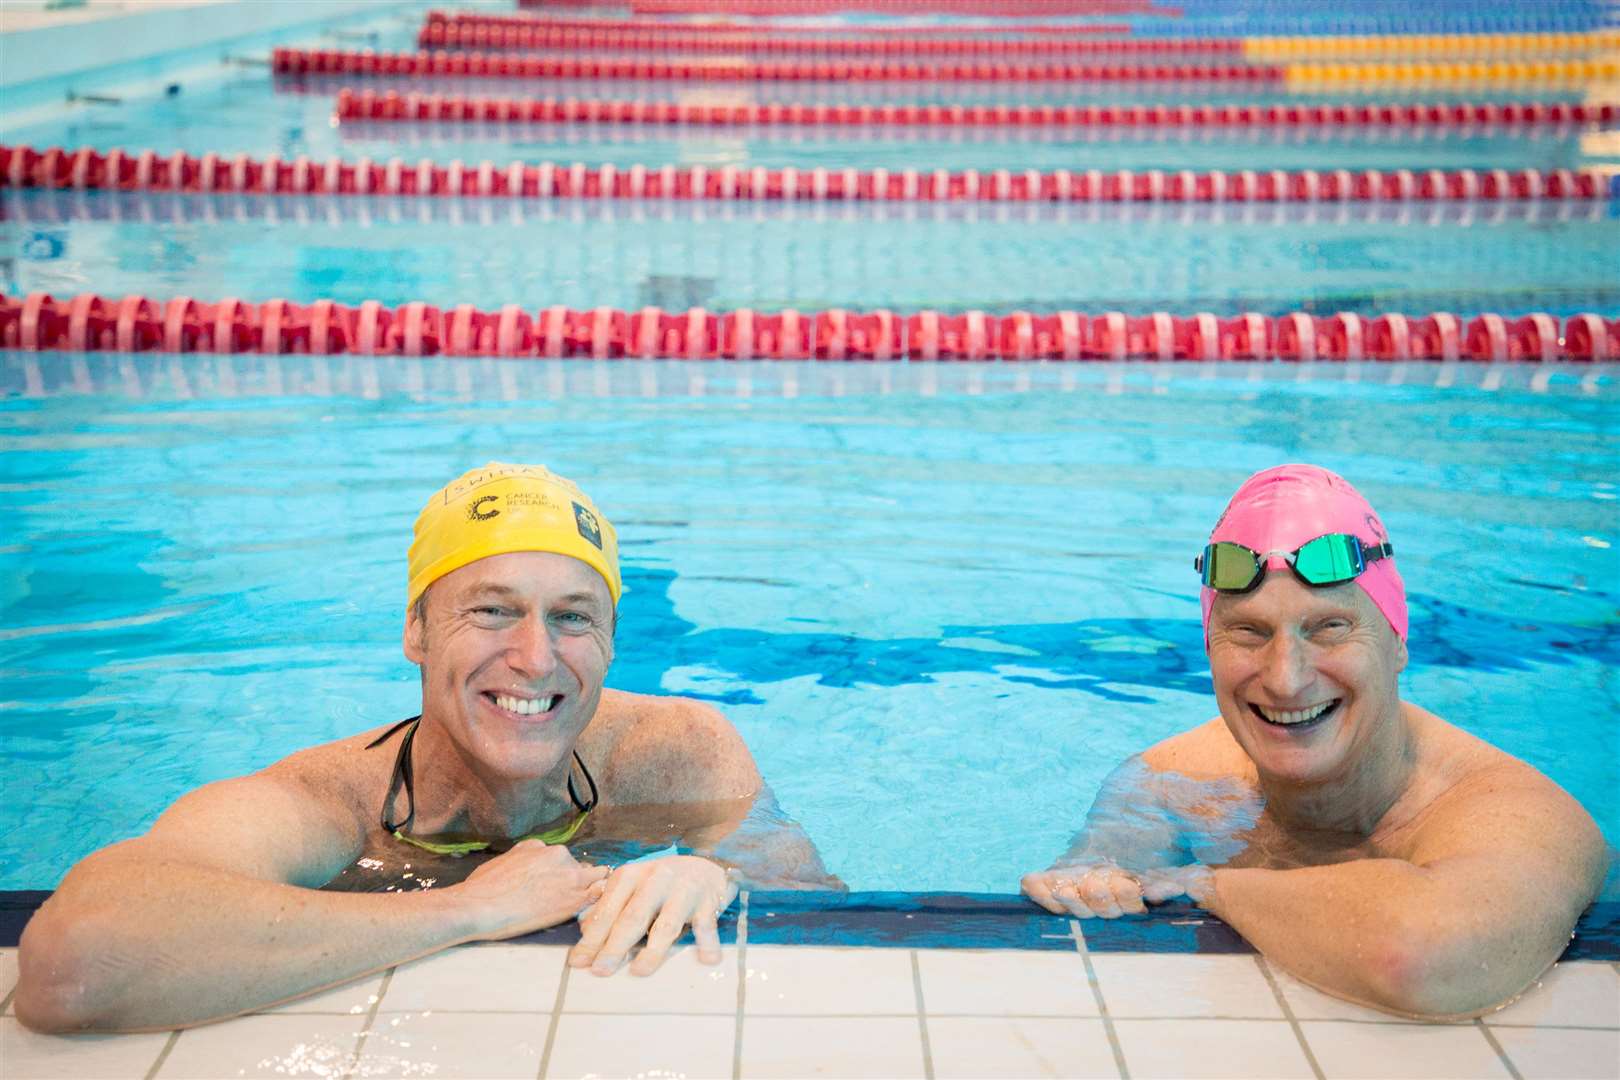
(1305, 677)
(513, 650)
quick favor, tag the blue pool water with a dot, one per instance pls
(940, 601)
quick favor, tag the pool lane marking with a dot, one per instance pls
(163, 1054)
(1102, 1006)
(556, 1018)
(742, 983)
(1501, 1054)
(1288, 1013)
(922, 1017)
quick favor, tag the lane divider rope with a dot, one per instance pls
(729, 69)
(1572, 20)
(446, 108)
(997, 8)
(285, 61)
(183, 324)
(1427, 46)
(1541, 73)
(471, 34)
(552, 21)
(479, 31)
(89, 169)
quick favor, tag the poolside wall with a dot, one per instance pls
(83, 52)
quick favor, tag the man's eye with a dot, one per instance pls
(573, 618)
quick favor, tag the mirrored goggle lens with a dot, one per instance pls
(1329, 560)
(1230, 567)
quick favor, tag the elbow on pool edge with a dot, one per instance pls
(1428, 973)
(61, 988)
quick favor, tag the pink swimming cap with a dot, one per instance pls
(1280, 509)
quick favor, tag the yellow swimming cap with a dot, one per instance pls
(502, 508)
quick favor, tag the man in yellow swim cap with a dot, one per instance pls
(511, 607)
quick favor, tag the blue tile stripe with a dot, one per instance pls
(907, 920)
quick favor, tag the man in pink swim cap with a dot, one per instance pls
(1366, 845)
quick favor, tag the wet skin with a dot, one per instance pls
(216, 911)
(1363, 843)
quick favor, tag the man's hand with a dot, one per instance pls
(1104, 890)
(531, 887)
(655, 900)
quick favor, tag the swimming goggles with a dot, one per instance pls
(1328, 560)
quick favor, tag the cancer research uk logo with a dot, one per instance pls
(476, 511)
(588, 527)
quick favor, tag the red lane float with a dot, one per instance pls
(997, 8)
(89, 323)
(391, 106)
(776, 29)
(486, 66)
(24, 166)
(504, 36)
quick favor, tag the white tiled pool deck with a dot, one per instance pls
(800, 1011)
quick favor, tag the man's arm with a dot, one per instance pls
(684, 751)
(1496, 879)
(1129, 828)
(212, 913)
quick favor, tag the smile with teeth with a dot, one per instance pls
(1291, 717)
(527, 706)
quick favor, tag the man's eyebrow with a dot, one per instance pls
(486, 589)
(490, 589)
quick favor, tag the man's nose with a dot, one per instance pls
(531, 652)
(1287, 667)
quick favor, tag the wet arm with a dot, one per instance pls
(213, 913)
(1481, 908)
(1128, 824)
(767, 848)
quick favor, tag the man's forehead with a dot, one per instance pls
(533, 574)
(1281, 593)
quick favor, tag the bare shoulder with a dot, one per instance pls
(1206, 752)
(1480, 799)
(342, 776)
(657, 748)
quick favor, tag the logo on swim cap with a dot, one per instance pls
(587, 525)
(475, 511)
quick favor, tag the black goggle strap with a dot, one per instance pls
(589, 779)
(404, 775)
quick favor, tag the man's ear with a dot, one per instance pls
(415, 633)
(1400, 655)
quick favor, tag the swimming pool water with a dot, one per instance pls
(1561, 259)
(940, 601)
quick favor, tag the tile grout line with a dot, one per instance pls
(1293, 1021)
(742, 982)
(371, 1018)
(556, 1019)
(1501, 1054)
(922, 1017)
(5, 1003)
(163, 1054)
(1102, 1006)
